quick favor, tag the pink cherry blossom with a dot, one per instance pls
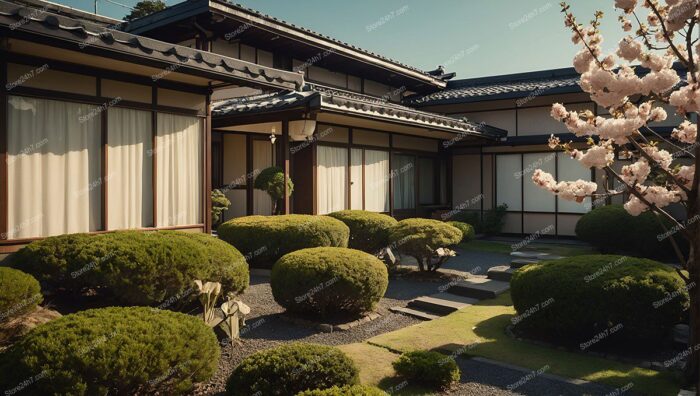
(686, 132)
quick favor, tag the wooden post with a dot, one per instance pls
(285, 157)
(207, 166)
(3, 152)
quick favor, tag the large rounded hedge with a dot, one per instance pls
(369, 231)
(348, 390)
(113, 351)
(420, 237)
(290, 369)
(19, 293)
(329, 280)
(264, 239)
(467, 230)
(136, 268)
(612, 230)
(574, 299)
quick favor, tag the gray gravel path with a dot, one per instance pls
(476, 263)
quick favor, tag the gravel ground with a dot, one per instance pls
(482, 378)
(267, 329)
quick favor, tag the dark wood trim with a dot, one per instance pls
(98, 87)
(314, 157)
(286, 208)
(348, 172)
(249, 170)
(522, 194)
(514, 107)
(154, 151)
(207, 182)
(4, 191)
(99, 101)
(99, 73)
(391, 173)
(104, 121)
(245, 119)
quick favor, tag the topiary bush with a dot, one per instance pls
(271, 180)
(467, 230)
(135, 268)
(264, 239)
(348, 390)
(329, 280)
(369, 231)
(427, 368)
(290, 369)
(19, 293)
(113, 350)
(420, 238)
(612, 230)
(572, 300)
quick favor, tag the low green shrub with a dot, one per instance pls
(290, 369)
(348, 390)
(428, 368)
(491, 224)
(264, 239)
(271, 180)
(419, 238)
(573, 300)
(135, 268)
(369, 231)
(114, 350)
(329, 280)
(19, 293)
(612, 230)
(467, 230)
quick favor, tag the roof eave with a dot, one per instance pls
(502, 96)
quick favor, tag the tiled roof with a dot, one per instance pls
(19, 18)
(503, 87)
(329, 99)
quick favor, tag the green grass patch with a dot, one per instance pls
(478, 330)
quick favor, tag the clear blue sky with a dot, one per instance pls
(473, 37)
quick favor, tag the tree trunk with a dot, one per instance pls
(693, 367)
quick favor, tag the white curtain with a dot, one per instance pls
(130, 169)
(262, 158)
(179, 180)
(54, 168)
(404, 182)
(356, 179)
(376, 181)
(332, 179)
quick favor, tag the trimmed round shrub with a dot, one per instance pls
(348, 390)
(290, 369)
(428, 368)
(113, 351)
(264, 239)
(369, 231)
(612, 230)
(467, 230)
(19, 293)
(420, 237)
(136, 268)
(329, 280)
(573, 300)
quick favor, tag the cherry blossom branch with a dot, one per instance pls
(651, 160)
(667, 35)
(677, 250)
(651, 206)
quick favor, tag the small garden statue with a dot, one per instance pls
(208, 294)
(234, 311)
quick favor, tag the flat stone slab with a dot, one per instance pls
(501, 273)
(414, 313)
(684, 392)
(519, 263)
(442, 303)
(528, 255)
(479, 288)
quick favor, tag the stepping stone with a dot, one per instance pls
(414, 313)
(501, 273)
(519, 263)
(528, 255)
(684, 392)
(480, 288)
(442, 303)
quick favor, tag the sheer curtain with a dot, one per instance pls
(179, 160)
(54, 168)
(404, 182)
(376, 181)
(356, 179)
(130, 169)
(332, 179)
(262, 158)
